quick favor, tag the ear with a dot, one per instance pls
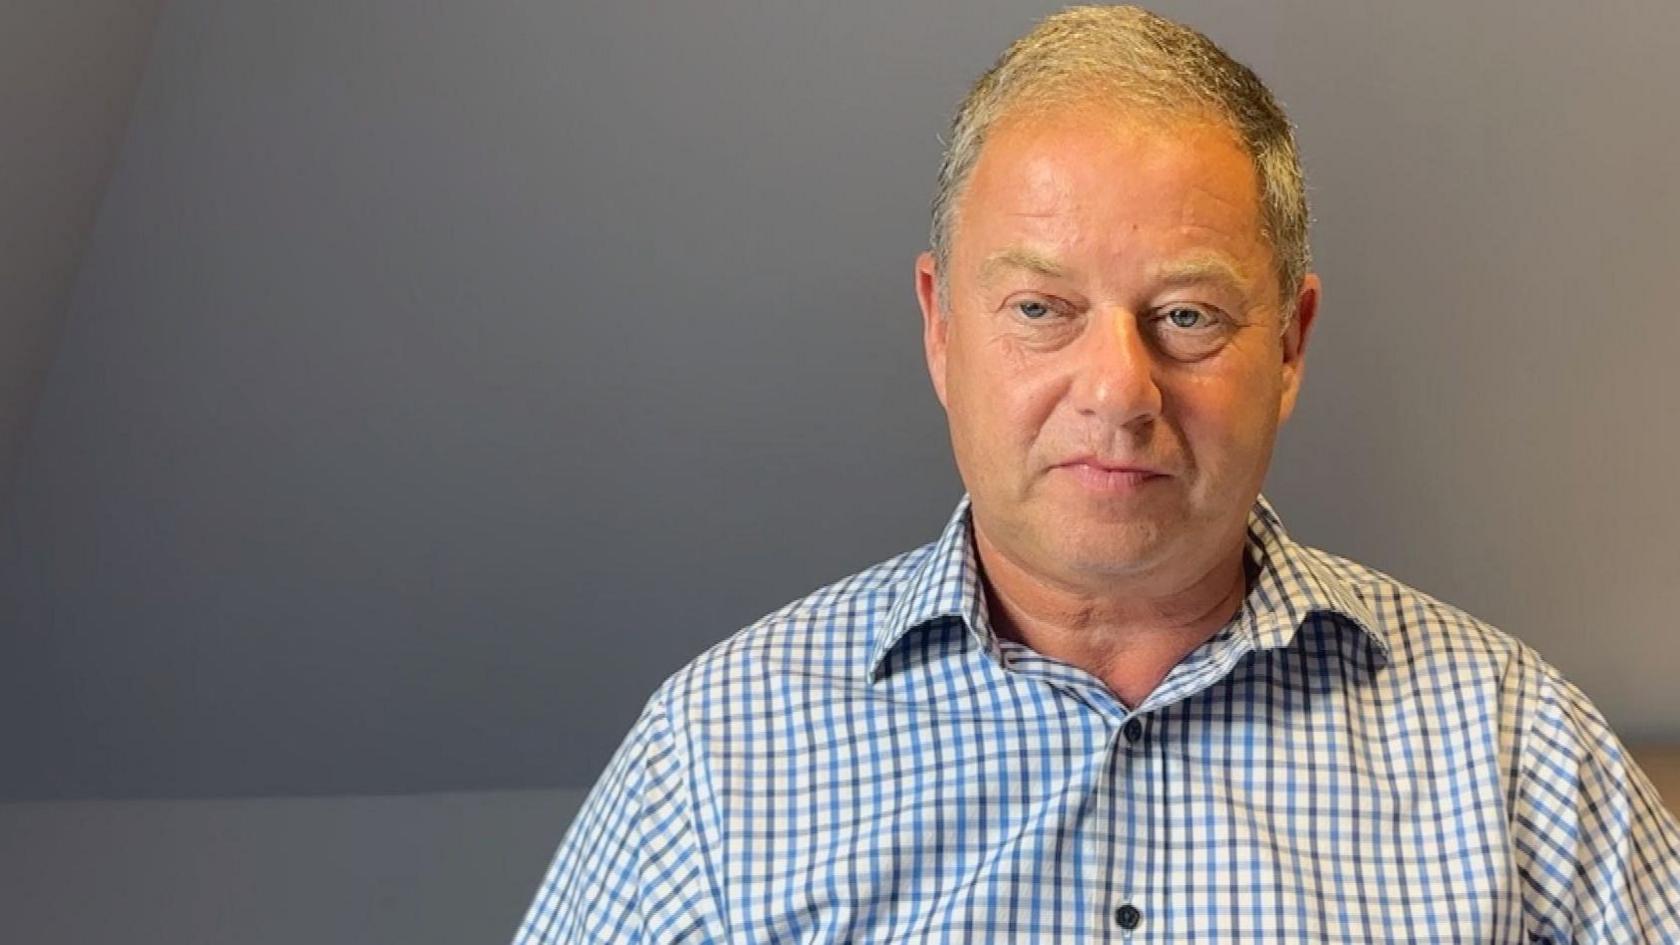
(1295, 342)
(935, 321)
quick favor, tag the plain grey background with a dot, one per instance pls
(438, 378)
(395, 393)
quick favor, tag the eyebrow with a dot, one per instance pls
(1197, 269)
(1016, 257)
(1201, 269)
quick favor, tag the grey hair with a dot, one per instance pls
(1136, 60)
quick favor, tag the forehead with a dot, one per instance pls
(1091, 179)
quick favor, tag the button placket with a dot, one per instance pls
(1127, 916)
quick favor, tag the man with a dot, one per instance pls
(1114, 699)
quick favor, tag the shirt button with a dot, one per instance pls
(1128, 916)
(1134, 731)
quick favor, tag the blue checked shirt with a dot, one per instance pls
(1347, 761)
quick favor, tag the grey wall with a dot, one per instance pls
(438, 378)
(433, 869)
(68, 73)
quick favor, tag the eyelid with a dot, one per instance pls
(1055, 305)
(1212, 313)
(1208, 307)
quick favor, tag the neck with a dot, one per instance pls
(1128, 637)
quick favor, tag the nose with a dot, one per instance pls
(1115, 380)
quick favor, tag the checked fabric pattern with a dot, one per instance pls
(1348, 760)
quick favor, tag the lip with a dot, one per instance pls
(1105, 476)
(1100, 465)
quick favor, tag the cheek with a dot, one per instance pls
(1027, 414)
(1228, 423)
(1003, 400)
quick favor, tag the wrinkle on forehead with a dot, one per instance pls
(1043, 187)
(1202, 267)
(1068, 199)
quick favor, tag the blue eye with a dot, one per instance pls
(1182, 317)
(1190, 332)
(1033, 310)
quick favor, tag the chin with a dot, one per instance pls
(1112, 550)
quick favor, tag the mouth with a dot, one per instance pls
(1110, 477)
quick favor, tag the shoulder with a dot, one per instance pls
(826, 634)
(1598, 856)
(1458, 666)
(1420, 629)
(1443, 654)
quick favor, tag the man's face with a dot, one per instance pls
(1113, 362)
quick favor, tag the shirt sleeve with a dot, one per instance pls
(1597, 853)
(630, 868)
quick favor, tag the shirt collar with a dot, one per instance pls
(1293, 584)
(1289, 587)
(944, 584)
